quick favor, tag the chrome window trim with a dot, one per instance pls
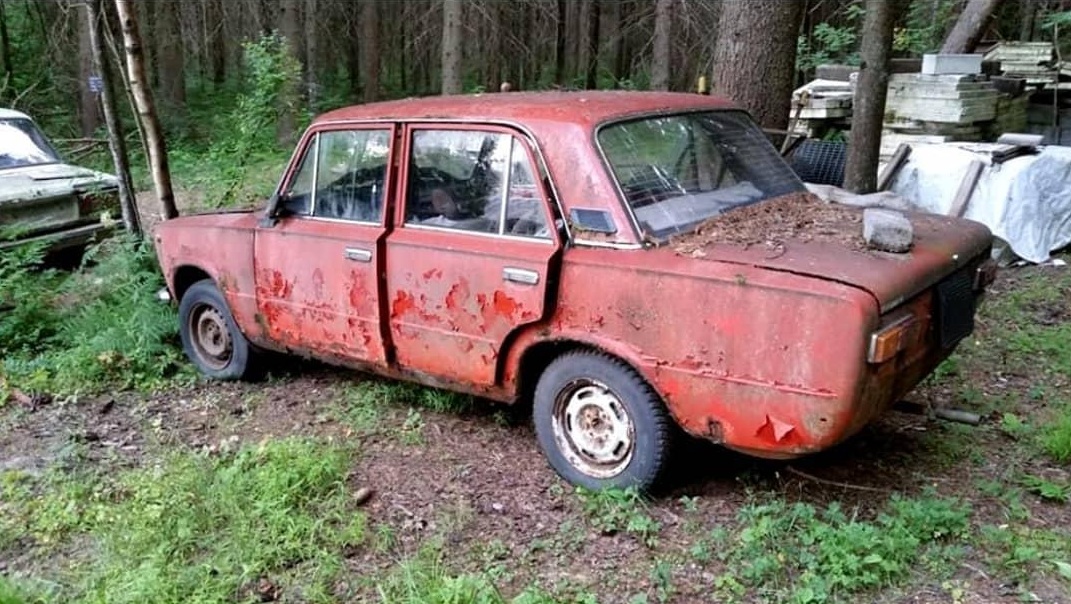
(343, 220)
(506, 236)
(315, 173)
(506, 184)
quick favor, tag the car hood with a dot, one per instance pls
(941, 245)
(29, 183)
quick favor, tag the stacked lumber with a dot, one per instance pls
(821, 105)
(1031, 61)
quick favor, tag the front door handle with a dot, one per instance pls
(520, 275)
(358, 255)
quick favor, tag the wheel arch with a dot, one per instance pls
(529, 359)
(185, 276)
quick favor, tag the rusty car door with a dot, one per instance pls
(317, 269)
(472, 254)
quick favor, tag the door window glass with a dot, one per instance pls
(298, 196)
(351, 174)
(459, 179)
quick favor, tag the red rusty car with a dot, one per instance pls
(629, 262)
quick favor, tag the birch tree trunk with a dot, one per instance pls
(139, 87)
(116, 142)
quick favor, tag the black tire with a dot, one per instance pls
(587, 387)
(204, 317)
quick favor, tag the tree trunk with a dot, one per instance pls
(5, 47)
(154, 140)
(591, 79)
(755, 57)
(116, 142)
(216, 42)
(312, 50)
(864, 143)
(970, 26)
(370, 49)
(170, 55)
(622, 60)
(662, 33)
(1028, 10)
(89, 117)
(290, 28)
(452, 47)
(559, 45)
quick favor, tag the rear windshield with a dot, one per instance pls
(678, 170)
(22, 144)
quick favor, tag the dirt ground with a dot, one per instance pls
(479, 479)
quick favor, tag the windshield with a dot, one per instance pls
(678, 170)
(22, 144)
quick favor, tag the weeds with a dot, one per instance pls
(201, 528)
(798, 553)
(1051, 490)
(619, 510)
(1054, 436)
(97, 328)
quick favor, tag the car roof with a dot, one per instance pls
(11, 114)
(585, 107)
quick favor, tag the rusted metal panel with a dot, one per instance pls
(317, 287)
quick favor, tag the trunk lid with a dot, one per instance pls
(833, 248)
(47, 196)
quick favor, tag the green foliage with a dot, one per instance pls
(925, 26)
(831, 43)
(1048, 489)
(96, 328)
(1054, 436)
(619, 510)
(197, 528)
(797, 553)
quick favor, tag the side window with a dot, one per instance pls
(299, 191)
(460, 178)
(351, 174)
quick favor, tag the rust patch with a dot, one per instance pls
(403, 303)
(773, 223)
(433, 273)
(505, 305)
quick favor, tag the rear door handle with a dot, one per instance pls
(358, 255)
(520, 275)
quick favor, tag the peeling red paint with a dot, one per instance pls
(505, 305)
(403, 303)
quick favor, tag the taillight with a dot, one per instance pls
(887, 342)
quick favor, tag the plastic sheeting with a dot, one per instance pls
(1025, 201)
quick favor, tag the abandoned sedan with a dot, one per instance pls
(44, 199)
(628, 262)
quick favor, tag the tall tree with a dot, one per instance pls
(593, 17)
(216, 41)
(291, 29)
(662, 32)
(970, 26)
(452, 47)
(88, 113)
(170, 55)
(5, 46)
(146, 108)
(116, 142)
(755, 57)
(559, 43)
(369, 49)
(864, 143)
(312, 53)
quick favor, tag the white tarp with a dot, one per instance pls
(1025, 201)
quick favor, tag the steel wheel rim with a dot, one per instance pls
(210, 336)
(593, 428)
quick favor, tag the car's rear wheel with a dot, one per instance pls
(600, 425)
(210, 337)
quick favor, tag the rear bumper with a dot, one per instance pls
(68, 238)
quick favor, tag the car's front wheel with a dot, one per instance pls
(210, 337)
(600, 425)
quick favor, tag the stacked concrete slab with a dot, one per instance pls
(1032, 61)
(820, 105)
(937, 108)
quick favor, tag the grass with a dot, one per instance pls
(799, 553)
(619, 510)
(197, 528)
